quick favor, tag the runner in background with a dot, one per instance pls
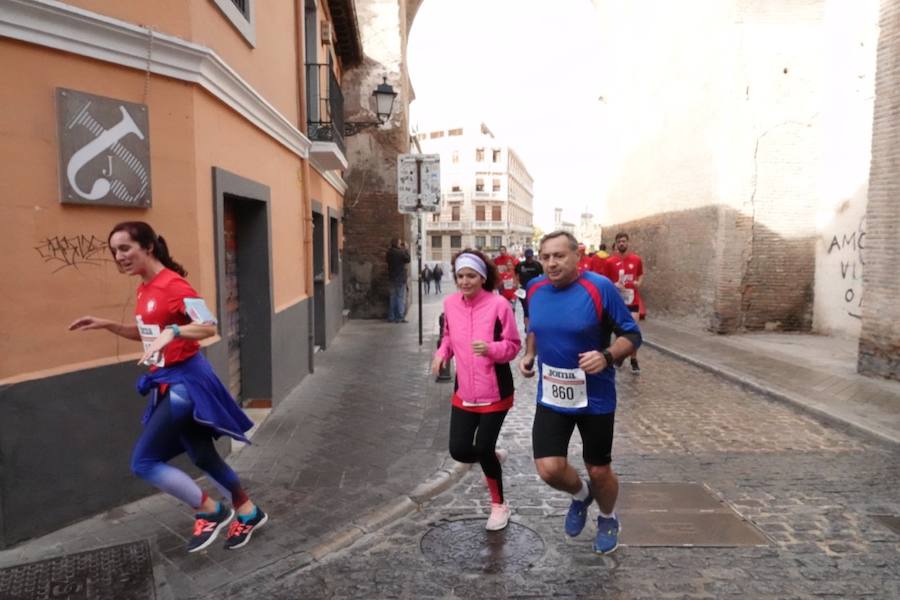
(626, 270)
(598, 261)
(508, 285)
(527, 270)
(504, 259)
(585, 262)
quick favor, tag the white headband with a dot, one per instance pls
(473, 262)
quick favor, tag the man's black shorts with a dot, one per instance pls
(524, 302)
(552, 431)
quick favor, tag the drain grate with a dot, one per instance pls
(465, 545)
(681, 514)
(892, 522)
(123, 572)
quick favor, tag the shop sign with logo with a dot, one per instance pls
(104, 150)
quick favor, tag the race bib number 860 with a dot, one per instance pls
(566, 388)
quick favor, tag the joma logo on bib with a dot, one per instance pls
(560, 374)
(566, 388)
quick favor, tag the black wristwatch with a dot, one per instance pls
(608, 356)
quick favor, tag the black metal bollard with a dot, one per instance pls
(444, 372)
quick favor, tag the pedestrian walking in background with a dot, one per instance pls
(527, 270)
(626, 270)
(188, 405)
(397, 258)
(437, 274)
(573, 316)
(480, 332)
(426, 276)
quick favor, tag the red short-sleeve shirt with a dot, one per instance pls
(508, 285)
(624, 270)
(509, 260)
(584, 264)
(598, 265)
(160, 302)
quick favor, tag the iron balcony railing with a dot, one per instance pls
(324, 105)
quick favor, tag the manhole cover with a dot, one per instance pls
(466, 545)
(123, 572)
(681, 514)
(892, 522)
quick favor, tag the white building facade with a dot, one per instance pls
(486, 194)
(559, 224)
(589, 233)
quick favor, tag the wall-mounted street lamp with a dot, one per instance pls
(384, 106)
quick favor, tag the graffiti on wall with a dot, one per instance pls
(73, 251)
(848, 248)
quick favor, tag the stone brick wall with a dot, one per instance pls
(716, 150)
(879, 342)
(370, 207)
(678, 251)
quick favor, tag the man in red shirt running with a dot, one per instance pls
(626, 270)
(598, 261)
(585, 262)
(507, 260)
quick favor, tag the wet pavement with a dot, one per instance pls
(814, 372)
(813, 491)
(353, 464)
(358, 443)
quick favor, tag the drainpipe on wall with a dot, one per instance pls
(303, 171)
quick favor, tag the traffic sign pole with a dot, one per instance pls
(419, 239)
(418, 196)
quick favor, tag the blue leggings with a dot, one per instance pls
(170, 431)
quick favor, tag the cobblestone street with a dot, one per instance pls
(810, 488)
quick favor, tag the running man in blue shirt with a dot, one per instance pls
(573, 317)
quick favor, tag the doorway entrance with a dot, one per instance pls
(319, 275)
(244, 286)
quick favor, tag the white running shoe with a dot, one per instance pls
(499, 518)
(502, 454)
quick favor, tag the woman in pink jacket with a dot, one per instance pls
(480, 331)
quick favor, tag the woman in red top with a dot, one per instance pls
(189, 406)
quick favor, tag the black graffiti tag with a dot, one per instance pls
(73, 251)
(851, 246)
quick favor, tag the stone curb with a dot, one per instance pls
(386, 514)
(439, 482)
(778, 395)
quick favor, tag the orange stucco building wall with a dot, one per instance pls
(268, 66)
(46, 298)
(191, 132)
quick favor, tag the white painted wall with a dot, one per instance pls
(700, 112)
(852, 34)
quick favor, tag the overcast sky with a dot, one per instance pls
(531, 74)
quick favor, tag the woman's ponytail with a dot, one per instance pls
(144, 235)
(161, 252)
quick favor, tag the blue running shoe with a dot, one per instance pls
(577, 515)
(607, 535)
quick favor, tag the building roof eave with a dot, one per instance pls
(348, 43)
